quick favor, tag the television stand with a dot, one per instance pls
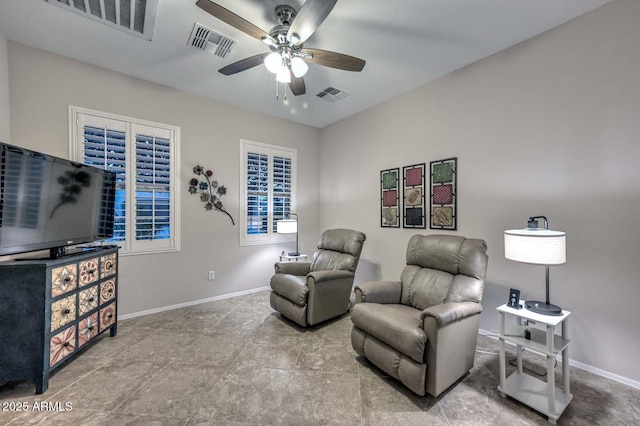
(52, 308)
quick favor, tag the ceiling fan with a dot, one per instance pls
(288, 58)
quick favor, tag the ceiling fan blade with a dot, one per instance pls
(297, 85)
(232, 19)
(334, 60)
(244, 64)
(308, 19)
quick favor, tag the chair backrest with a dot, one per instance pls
(338, 249)
(443, 268)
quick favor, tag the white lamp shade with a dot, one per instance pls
(273, 62)
(287, 226)
(299, 67)
(283, 75)
(536, 246)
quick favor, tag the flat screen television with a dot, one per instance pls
(51, 203)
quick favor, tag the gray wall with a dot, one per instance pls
(5, 132)
(43, 85)
(547, 127)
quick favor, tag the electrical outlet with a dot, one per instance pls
(212, 275)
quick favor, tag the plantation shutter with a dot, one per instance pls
(281, 178)
(152, 167)
(152, 187)
(144, 156)
(104, 146)
(257, 193)
(268, 190)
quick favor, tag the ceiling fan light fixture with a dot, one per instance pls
(283, 75)
(299, 67)
(273, 62)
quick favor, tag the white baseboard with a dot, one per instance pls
(192, 303)
(597, 371)
(606, 374)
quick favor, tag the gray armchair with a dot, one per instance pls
(311, 292)
(423, 329)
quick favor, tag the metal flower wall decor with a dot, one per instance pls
(209, 190)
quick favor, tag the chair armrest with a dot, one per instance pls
(292, 268)
(446, 313)
(379, 292)
(329, 275)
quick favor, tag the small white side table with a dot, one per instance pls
(542, 396)
(288, 258)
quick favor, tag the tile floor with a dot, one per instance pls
(237, 362)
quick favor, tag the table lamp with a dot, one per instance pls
(289, 226)
(538, 246)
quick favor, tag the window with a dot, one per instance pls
(268, 191)
(144, 157)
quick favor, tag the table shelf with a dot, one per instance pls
(538, 341)
(542, 396)
(533, 392)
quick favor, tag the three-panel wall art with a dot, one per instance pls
(403, 195)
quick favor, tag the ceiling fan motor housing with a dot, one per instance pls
(285, 14)
(279, 34)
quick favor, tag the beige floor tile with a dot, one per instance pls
(238, 362)
(321, 398)
(250, 396)
(176, 391)
(108, 386)
(272, 352)
(327, 353)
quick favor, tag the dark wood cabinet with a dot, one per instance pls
(51, 308)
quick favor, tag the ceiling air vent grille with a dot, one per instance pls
(331, 94)
(137, 17)
(210, 41)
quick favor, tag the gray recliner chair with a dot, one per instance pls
(311, 292)
(423, 329)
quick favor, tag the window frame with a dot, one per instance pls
(271, 237)
(131, 246)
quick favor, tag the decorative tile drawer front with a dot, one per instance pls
(107, 316)
(107, 290)
(63, 279)
(62, 345)
(87, 329)
(108, 265)
(50, 307)
(89, 272)
(87, 300)
(63, 311)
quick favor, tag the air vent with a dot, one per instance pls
(137, 17)
(331, 94)
(210, 41)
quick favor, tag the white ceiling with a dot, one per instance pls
(406, 44)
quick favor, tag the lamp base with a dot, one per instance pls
(543, 308)
(294, 253)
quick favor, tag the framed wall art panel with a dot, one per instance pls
(414, 198)
(443, 194)
(390, 198)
